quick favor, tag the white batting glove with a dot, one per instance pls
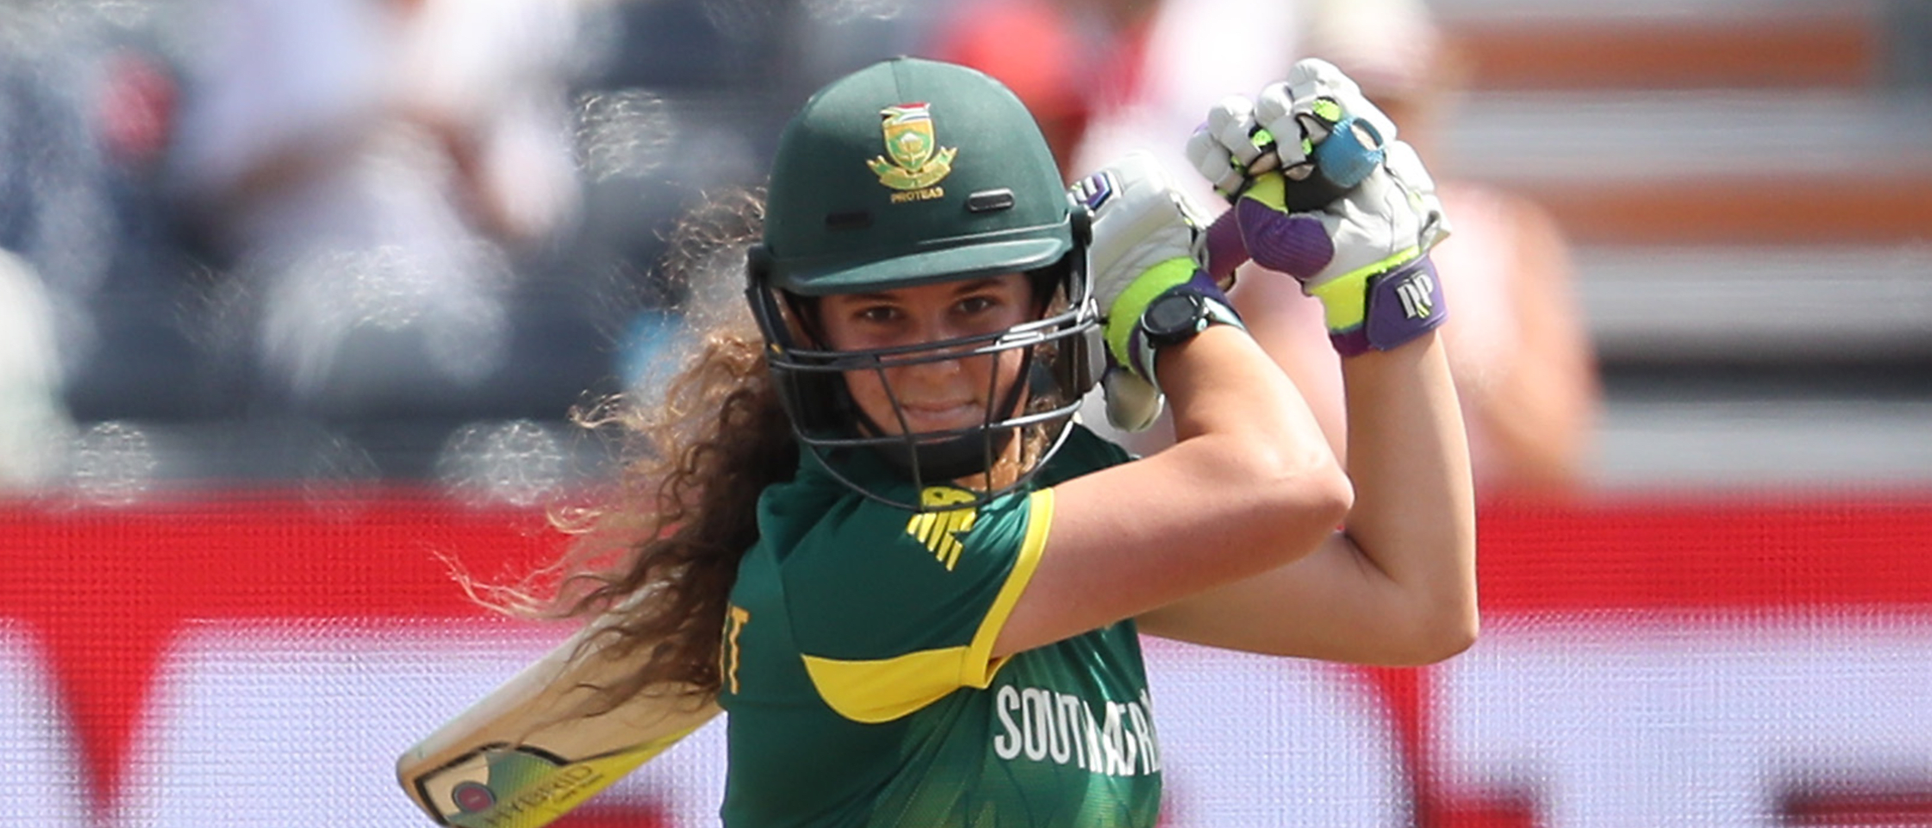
(1230, 148)
(1147, 239)
(1315, 127)
(1350, 212)
(1314, 102)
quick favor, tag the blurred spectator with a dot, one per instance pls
(1183, 56)
(368, 166)
(1056, 55)
(1516, 337)
(1106, 77)
(1908, 44)
(83, 104)
(56, 206)
(33, 423)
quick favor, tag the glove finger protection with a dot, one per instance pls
(1328, 137)
(1147, 240)
(1314, 102)
(1230, 147)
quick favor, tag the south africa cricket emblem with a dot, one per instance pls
(914, 160)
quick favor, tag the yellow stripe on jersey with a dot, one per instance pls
(980, 665)
(881, 690)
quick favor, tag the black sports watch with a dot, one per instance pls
(1182, 312)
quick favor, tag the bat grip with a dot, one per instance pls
(1353, 149)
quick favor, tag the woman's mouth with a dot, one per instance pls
(935, 416)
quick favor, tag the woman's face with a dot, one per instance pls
(939, 395)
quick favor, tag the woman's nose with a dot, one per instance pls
(940, 327)
(937, 329)
(935, 369)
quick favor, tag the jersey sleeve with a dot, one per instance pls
(892, 610)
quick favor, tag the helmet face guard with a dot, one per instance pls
(1054, 374)
(907, 173)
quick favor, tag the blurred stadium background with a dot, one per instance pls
(219, 609)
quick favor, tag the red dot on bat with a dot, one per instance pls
(472, 797)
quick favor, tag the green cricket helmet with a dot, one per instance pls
(906, 173)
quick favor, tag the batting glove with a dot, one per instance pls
(1315, 127)
(1147, 240)
(1354, 223)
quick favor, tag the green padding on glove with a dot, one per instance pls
(1271, 190)
(1345, 298)
(1123, 316)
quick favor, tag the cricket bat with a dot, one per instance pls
(519, 758)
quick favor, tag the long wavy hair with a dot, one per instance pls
(653, 564)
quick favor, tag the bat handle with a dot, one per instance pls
(1354, 149)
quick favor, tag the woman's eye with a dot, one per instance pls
(977, 304)
(878, 314)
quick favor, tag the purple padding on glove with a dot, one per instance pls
(1402, 304)
(1225, 248)
(1292, 243)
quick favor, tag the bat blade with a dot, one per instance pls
(521, 757)
(505, 786)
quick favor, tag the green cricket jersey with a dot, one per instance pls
(860, 686)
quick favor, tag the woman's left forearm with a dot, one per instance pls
(1414, 516)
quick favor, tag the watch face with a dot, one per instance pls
(1174, 315)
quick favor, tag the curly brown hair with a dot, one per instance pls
(654, 563)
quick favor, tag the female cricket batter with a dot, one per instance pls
(871, 527)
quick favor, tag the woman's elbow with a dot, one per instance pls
(1309, 503)
(1290, 502)
(1456, 636)
(1334, 493)
(1316, 486)
(1440, 636)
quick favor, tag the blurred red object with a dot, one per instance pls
(135, 108)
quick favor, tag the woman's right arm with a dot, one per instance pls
(1249, 486)
(1227, 538)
